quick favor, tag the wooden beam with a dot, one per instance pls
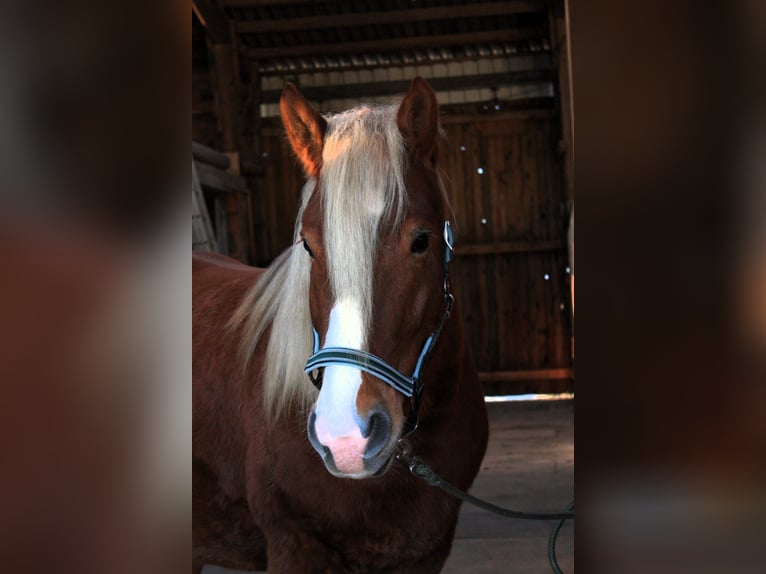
(214, 20)
(275, 127)
(509, 247)
(356, 19)
(545, 387)
(257, 3)
(297, 67)
(227, 96)
(528, 375)
(558, 17)
(210, 156)
(407, 43)
(355, 91)
(532, 109)
(220, 181)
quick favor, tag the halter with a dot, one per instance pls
(408, 385)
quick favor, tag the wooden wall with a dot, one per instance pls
(511, 270)
(511, 225)
(282, 184)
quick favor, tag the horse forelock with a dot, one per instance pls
(362, 191)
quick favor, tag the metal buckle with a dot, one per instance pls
(449, 240)
(405, 453)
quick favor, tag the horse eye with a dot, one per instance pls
(420, 244)
(308, 249)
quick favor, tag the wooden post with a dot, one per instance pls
(560, 46)
(558, 15)
(257, 229)
(229, 115)
(227, 98)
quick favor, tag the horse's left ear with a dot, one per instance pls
(305, 128)
(418, 120)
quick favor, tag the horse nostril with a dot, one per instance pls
(377, 431)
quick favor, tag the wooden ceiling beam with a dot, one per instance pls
(309, 68)
(264, 3)
(355, 91)
(356, 19)
(398, 44)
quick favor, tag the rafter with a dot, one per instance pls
(392, 88)
(393, 44)
(390, 17)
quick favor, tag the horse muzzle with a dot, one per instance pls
(360, 450)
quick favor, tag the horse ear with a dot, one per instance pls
(418, 120)
(305, 128)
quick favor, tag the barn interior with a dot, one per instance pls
(502, 73)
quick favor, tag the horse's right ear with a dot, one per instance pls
(305, 128)
(418, 120)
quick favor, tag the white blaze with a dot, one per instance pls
(336, 404)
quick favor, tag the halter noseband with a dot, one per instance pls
(408, 385)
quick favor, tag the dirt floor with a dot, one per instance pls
(529, 466)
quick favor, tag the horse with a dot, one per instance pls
(311, 375)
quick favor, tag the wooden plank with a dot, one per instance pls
(220, 181)
(474, 157)
(203, 237)
(363, 18)
(558, 18)
(395, 44)
(264, 3)
(392, 88)
(221, 224)
(526, 375)
(497, 221)
(546, 386)
(509, 247)
(228, 101)
(297, 66)
(282, 182)
(282, 169)
(539, 109)
(532, 153)
(512, 313)
(549, 172)
(559, 339)
(209, 156)
(227, 96)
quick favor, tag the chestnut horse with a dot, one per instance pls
(299, 477)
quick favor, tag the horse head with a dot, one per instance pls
(373, 227)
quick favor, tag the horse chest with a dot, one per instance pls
(373, 528)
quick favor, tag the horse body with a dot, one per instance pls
(293, 478)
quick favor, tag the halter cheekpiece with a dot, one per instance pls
(408, 385)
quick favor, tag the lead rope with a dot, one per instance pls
(425, 472)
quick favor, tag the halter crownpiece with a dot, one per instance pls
(408, 385)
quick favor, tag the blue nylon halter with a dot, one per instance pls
(408, 385)
(369, 363)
